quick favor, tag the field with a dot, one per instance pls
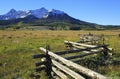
(17, 48)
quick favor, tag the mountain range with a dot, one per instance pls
(38, 13)
(54, 19)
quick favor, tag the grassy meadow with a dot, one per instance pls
(17, 48)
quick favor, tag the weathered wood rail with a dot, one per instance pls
(64, 67)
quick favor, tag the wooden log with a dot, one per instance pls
(40, 63)
(78, 50)
(79, 47)
(82, 55)
(85, 45)
(38, 56)
(111, 49)
(94, 49)
(80, 44)
(59, 73)
(81, 69)
(67, 70)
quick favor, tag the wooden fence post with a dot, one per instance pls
(48, 62)
(106, 50)
(107, 57)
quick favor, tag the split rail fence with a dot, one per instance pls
(58, 66)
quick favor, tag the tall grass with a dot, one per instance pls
(17, 48)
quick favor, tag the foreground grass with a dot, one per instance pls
(17, 48)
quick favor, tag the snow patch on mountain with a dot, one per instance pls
(39, 13)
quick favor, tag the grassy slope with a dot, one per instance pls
(17, 48)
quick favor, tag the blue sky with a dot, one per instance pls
(105, 12)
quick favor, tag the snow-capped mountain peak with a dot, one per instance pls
(38, 13)
(53, 11)
(12, 11)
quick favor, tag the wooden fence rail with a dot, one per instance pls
(80, 44)
(90, 47)
(67, 70)
(82, 55)
(63, 66)
(79, 50)
(59, 73)
(81, 69)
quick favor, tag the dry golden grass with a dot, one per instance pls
(17, 48)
